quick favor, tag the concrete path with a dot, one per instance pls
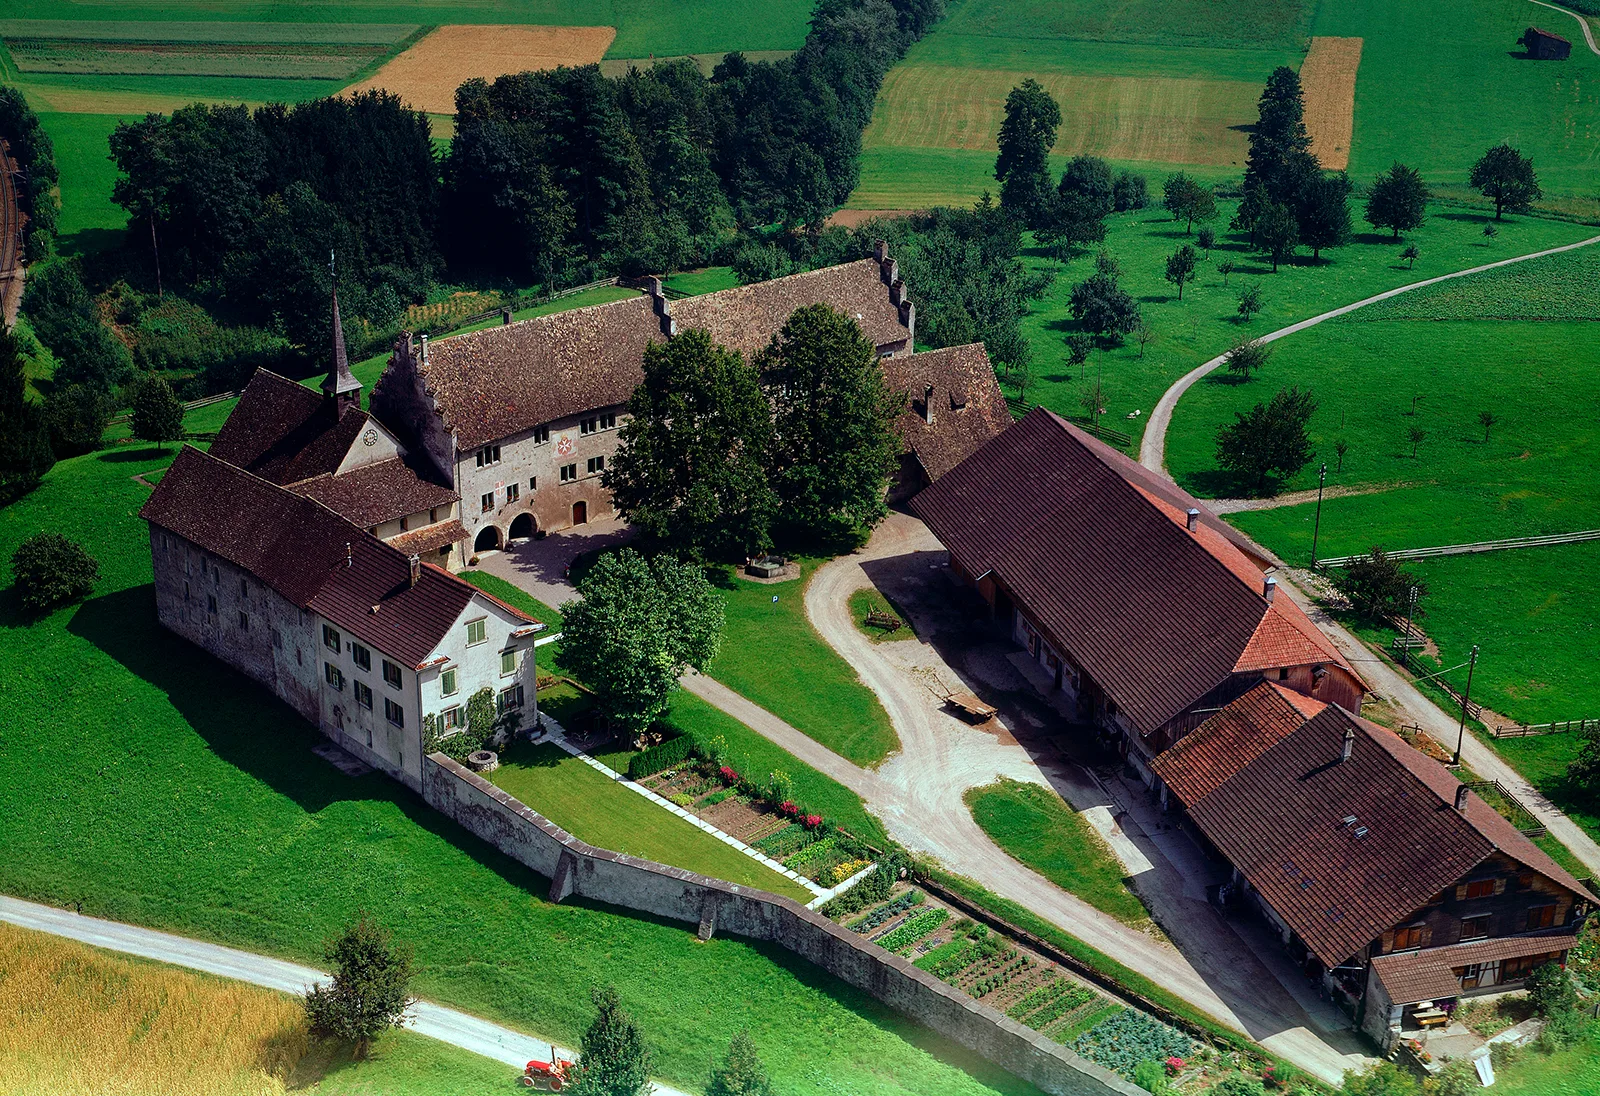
(1588, 31)
(540, 566)
(447, 1025)
(1394, 686)
(1152, 449)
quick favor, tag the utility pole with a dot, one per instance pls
(1405, 648)
(1316, 530)
(1461, 731)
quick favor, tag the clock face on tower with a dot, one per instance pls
(370, 437)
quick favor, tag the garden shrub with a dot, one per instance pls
(51, 570)
(672, 752)
(1238, 1086)
(1151, 1076)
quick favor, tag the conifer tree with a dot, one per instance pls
(613, 1060)
(25, 454)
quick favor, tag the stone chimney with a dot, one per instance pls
(897, 291)
(1192, 519)
(424, 343)
(927, 404)
(661, 306)
(1461, 799)
(1349, 744)
(908, 320)
(1269, 589)
(416, 569)
(340, 389)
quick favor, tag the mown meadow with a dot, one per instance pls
(184, 798)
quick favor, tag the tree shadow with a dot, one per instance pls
(1475, 218)
(137, 456)
(1059, 378)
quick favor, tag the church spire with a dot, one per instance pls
(340, 386)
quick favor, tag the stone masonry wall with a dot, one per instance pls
(604, 876)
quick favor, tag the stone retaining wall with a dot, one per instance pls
(627, 881)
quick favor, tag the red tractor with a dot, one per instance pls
(549, 1076)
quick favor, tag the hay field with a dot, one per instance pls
(1328, 78)
(76, 1021)
(426, 75)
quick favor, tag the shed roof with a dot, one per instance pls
(1428, 975)
(968, 407)
(312, 556)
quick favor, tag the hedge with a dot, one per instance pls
(669, 753)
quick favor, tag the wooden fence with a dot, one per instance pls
(1564, 726)
(1471, 549)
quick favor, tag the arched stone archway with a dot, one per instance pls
(522, 527)
(488, 539)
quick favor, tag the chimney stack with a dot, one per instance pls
(1269, 588)
(505, 317)
(927, 404)
(424, 350)
(1461, 799)
(1192, 519)
(349, 556)
(1349, 744)
(416, 569)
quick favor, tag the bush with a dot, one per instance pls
(368, 993)
(51, 570)
(671, 752)
(77, 415)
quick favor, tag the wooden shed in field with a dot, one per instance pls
(1544, 46)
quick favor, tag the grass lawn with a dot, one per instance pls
(89, 221)
(867, 600)
(185, 799)
(1203, 324)
(1035, 827)
(69, 1009)
(1573, 1072)
(772, 655)
(709, 280)
(596, 809)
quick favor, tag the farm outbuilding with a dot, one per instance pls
(1544, 46)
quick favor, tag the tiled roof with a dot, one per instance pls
(1427, 975)
(284, 432)
(493, 383)
(430, 538)
(968, 407)
(376, 493)
(1100, 558)
(312, 556)
(1342, 850)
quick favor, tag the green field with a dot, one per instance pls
(596, 809)
(1204, 323)
(165, 790)
(1035, 827)
(1254, 23)
(772, 655)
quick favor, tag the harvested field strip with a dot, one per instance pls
(1328, 78)
(102, 30)
(1125, 117)
(265, 60)
(426, 75)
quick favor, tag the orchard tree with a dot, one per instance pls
(1103, 307)
(1486, 419)
(1078, 348)
(833, 415)
(25, 454)
(1250, 300)
(51, 570)
(1181, 267)
(1377, 586)
(369, 992)
(1207, 239)
(1027, 135)
(639, 626)
(1129, 190)
(1324, 213)
(1144, 334)
(1340, 448)
(1089, 178)
(1268, 440)
(691, 467)
(1398, 200)
(613, 1059)
(1416, 435)
(1247, 357)
(157, 412)
(1278, 233)
(1188, 201)
(1411, 254)
(1506, 177)
(1226, 267)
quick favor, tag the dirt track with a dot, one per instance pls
(426, 75)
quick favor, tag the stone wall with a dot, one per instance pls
(603, 876)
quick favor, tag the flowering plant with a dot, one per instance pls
(788, 809)
(811, 821)
(729, 775)
(1174, 1064)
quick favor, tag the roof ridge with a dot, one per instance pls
(566, 313)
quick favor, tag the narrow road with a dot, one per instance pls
(447, 1025)
(1588, 31)
(1153, 448)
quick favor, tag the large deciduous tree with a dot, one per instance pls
(157, 413)
(1506, 177)
(691, 470)
(1188, 201)
(370, 989)
(1103, 307)
(1268, 440)
(1324, 213)
(641, 624)
(51, 570)
(1277, 233)
(1397, 200)
(1027, 135)
(1181, 266)
(835, 445)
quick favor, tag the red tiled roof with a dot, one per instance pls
(430, 537)
(375, 493)
(284, 432)
(1100, 558)
(1426, 975)
(312, 556)
(493, 383)
(1342, 850)
(968, 407)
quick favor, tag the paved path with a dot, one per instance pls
(1588, 31)
(1152, 449)
(1295, 498)
(447, 1025)
(540, 566)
